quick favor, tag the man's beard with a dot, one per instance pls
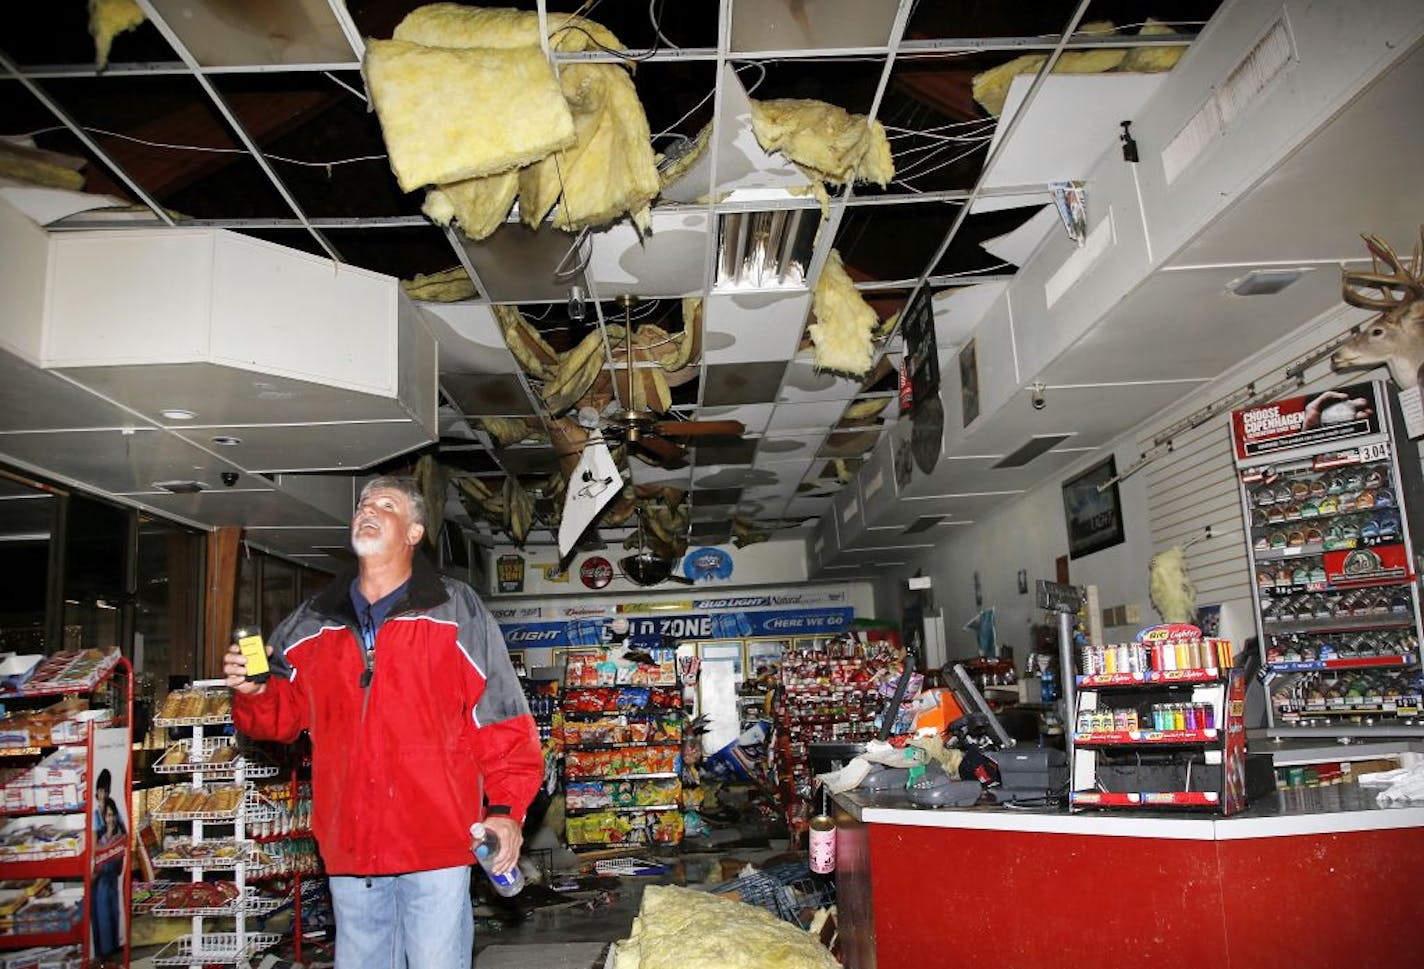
(364, 545)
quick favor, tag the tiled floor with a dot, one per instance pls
(575, 931)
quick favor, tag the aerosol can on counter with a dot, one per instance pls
(823, 838)
(486, 846)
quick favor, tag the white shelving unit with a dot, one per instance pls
(204, 761)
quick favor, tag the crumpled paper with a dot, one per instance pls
(1404, 784)
(849, 777)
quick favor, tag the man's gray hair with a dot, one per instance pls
(405, 485)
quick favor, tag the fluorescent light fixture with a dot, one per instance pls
(1265, 282)
(1036, 445)
(226, 440)
(765, 250)
(176, 414)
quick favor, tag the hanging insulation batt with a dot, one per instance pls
(842, 333)
(479, 205)
(991, 88)
(678, 928)
(448, 115)
(607, 171)
(108, 19)
(833, 144)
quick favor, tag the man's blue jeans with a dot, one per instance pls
(420, 920)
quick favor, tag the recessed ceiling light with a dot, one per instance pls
(1265, 282)
(225, 440)
(176, 414)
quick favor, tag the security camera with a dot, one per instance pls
(229, 478)
(1038, 400)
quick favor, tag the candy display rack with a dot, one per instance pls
(217, 807)
(1327, 498)
(50, 792)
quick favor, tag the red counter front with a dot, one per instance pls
(990, 889)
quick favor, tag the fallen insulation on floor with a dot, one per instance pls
(678, 928)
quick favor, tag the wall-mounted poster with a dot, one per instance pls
(969, 382)
(1092, 509)
(509, 570)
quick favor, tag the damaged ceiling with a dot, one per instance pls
(256, 118)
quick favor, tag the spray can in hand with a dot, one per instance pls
(823, 838)
(486, 846)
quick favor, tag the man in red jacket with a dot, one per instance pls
(404, 683)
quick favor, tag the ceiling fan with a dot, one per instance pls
(629, 420)
(645, 568)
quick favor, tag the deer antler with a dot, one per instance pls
(1406, 278)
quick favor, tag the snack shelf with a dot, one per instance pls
(253, 807)
(263, 839)
(251, 903)
(1343, 663)
(1138, 799)
(28, 811)
(44, 866)
(238, 852)
(217, 947)
(1337, 624)
(216, 720)
(70, 936)
(620, 777)
(1133, 738)
(61, 687)
(1098, 681)
(623, 809)
(626, 745)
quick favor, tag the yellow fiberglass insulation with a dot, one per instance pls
(678, 928)
(610, 168)
(446, 286)
(479, 205)
(1152, 60)
(455, 25)
(108, 19)
(835, 145)
(841, 335)
(991, 88)
(448, 115)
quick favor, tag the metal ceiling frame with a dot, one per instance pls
(897, 49)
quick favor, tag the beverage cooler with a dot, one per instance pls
(1330, 487)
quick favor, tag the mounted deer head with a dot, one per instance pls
(1395, 337)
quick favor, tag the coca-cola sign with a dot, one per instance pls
(596, 572)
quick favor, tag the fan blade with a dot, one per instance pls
(699, 428)
(661, 449)
(679, 579)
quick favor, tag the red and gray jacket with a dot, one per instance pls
(398, 766)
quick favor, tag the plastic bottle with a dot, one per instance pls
(823, 839)
(486, 847)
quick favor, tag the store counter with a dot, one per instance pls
(1305, 879)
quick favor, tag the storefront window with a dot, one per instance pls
(26, 519)
(169, 603)
(279, 592)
